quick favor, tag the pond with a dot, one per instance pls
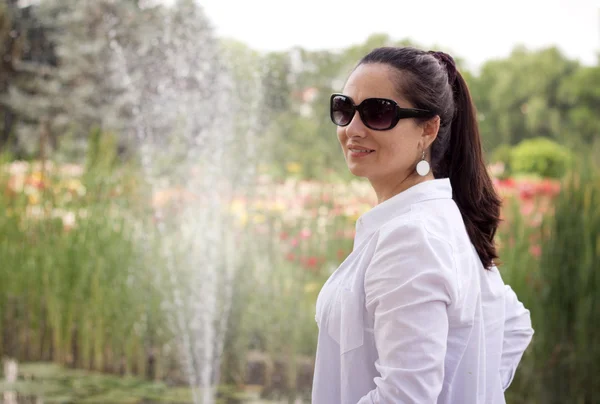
(44, 383)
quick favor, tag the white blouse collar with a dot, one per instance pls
(371, 221)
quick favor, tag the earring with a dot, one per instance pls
(423, 166)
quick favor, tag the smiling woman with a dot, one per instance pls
(418, 312)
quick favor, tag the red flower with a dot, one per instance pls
(527, 193)
(508, 183)
(312, 262)
(36, 181)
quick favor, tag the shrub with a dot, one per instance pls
(540, 156)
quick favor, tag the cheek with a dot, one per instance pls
(403, 146)
(341, 135)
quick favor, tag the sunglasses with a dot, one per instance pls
(376, 113)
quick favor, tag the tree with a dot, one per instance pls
(518, 96)
(581, 94)
(24, 48)
(79, 88)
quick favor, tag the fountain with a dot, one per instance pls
(156, 76)
(186, 121)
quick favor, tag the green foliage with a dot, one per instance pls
(518, 97)
(581, 93)
(540, 156)
(568, 354)
(70, 262)
(519, 269)
(503, 154)
(51, 383)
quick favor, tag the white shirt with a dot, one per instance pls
(411, 316)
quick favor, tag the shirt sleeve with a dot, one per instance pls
(517, 336)
(408, 288)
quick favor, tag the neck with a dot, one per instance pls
(386, 188)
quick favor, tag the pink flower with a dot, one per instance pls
(305, 234)
(535, 250)
(527, 208)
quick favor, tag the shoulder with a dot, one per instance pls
(415, 234)
(407, 255)
(410, 246)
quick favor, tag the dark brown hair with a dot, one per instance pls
(429, 80)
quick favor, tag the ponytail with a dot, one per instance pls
(472, 187)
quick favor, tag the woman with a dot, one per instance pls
(418, 312)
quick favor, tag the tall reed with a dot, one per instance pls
(569, 355)
(73, 288)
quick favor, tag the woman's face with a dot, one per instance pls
(395, 151)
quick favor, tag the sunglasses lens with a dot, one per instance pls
(342, 110)
(378, 114)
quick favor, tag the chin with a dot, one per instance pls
(358, 171)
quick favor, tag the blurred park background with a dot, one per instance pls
(171, 202)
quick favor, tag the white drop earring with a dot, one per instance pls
(423, 166)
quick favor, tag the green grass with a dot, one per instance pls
(56, 384)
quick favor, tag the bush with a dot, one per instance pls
(540, 156)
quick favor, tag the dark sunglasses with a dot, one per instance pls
(376, 113)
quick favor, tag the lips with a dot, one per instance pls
(356, 152)
(359, 149)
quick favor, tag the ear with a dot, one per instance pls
(430, 131)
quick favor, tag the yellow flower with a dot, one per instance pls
(258, 205)
(293, 168)
(37, 176)
(33, 199)
(242, 218)
(311, 287)
(74, 185)
(237, 206)
(258, 219)
(277, 206)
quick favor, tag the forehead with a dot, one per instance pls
(373, 80)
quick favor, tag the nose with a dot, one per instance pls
(356, 127)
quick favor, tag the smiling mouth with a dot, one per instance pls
(361, 151)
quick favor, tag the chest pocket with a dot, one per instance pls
(345, 320)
